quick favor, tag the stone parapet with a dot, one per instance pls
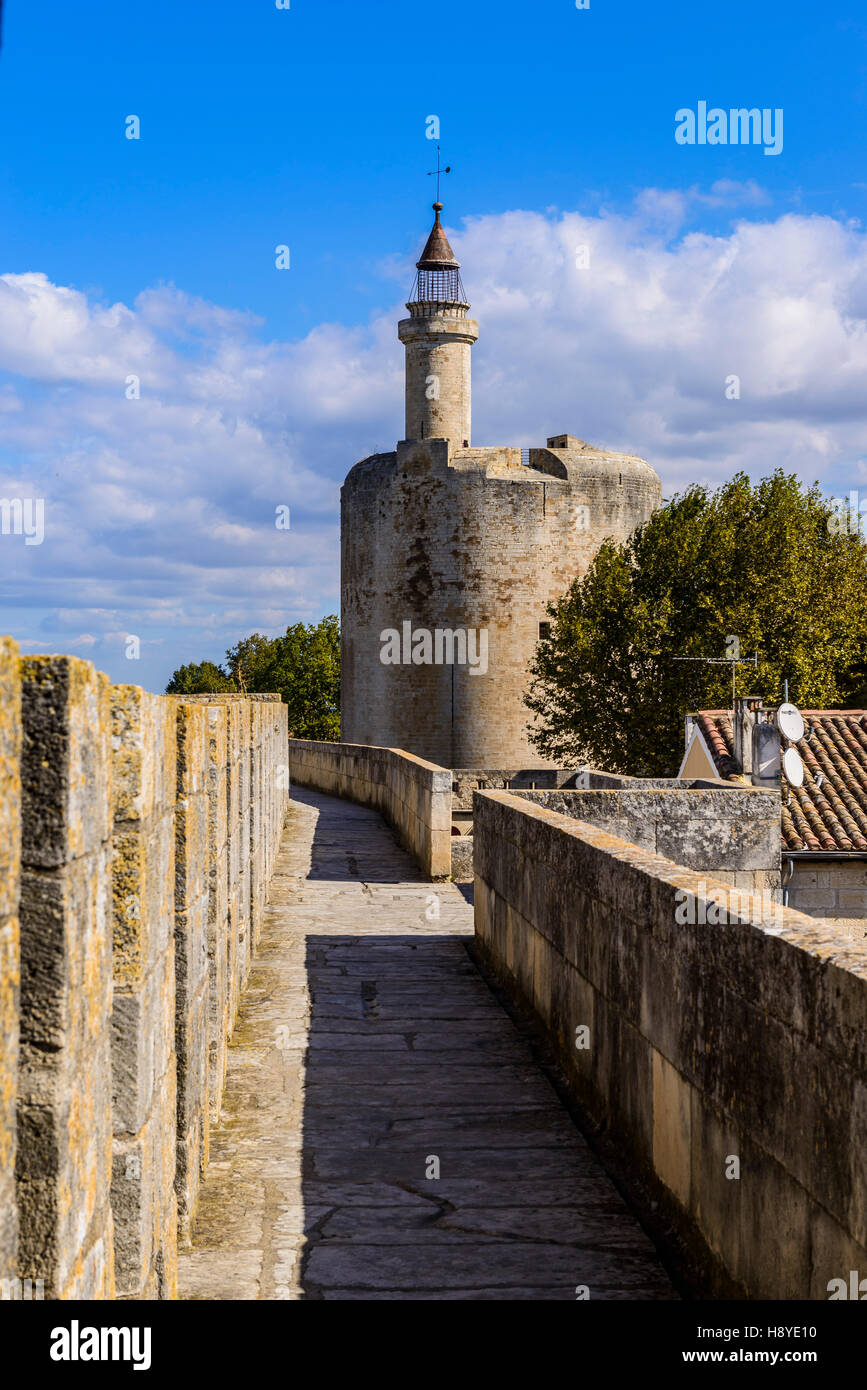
(715, 1037)
(144, 1064)
(10, 888)
(414, 796)
(138, 833)
(64, 1086)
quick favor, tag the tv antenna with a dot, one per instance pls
(733, 661)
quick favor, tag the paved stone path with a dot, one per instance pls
(369, 1049)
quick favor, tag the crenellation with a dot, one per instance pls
(116, 823)
(10, 975)
(144, 1072)
(64, 1162)
(191, 956)
(219, 1023)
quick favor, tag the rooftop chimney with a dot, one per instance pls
(745, 715)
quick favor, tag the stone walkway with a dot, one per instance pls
(369, 1053)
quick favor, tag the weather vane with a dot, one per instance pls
(438, 171)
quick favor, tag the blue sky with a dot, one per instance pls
(306, 127)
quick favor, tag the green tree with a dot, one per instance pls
(765, 566)
(199, 678)
(302, 666)
(249, 659)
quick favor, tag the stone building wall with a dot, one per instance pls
(220, 953)
(148, 828)
(834, 889)
(449, 539)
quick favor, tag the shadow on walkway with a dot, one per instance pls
(387, 1134)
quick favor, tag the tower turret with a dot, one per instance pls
(438, 337)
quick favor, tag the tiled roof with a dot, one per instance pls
(831, 816)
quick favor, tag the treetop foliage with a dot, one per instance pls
(303, 666)
(745, 568)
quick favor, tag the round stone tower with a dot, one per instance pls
(438, 337)
(449, 554)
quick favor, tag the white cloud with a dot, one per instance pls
(159, 512)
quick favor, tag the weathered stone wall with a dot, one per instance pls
(414, 796)
(731, 834)
(220, 940)
(143, 1061)
(191, 957)
(727, 1060)
(467, 780)
(64, 1086)
(438, 346)
(446, 539)
(148, 830)
(248, 777)
(10, 870)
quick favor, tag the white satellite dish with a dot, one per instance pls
(793, 767)
(790, 722)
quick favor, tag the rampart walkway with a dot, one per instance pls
(369, 1047)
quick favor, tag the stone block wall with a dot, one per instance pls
(731, 833)
(834, 889)
(725, 1056)
(248, 772)
(10, 839)
(220, 1013)
(144, 1069)
(64, 1086)
(142, 830)
(191, 956)
(414, 796)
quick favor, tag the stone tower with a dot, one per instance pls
(449, 554)
(438, 337)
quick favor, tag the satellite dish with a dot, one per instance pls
(790, 722)
(793, 767)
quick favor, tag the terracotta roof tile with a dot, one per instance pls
(717, 729)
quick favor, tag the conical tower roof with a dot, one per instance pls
(437, 254)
